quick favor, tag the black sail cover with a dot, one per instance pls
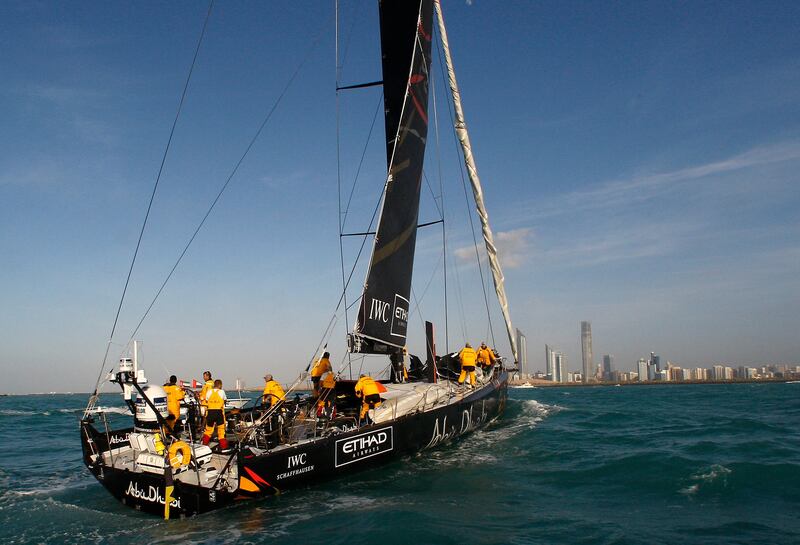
(406, 46)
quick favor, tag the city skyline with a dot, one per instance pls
(651, 365)
(639, 165)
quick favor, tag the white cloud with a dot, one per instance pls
(626, 192)
(513, 248)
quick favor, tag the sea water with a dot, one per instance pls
(648, 464)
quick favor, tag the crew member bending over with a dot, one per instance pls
(322, 366)
(369, 392)
(215, 417)
(485, 357)
(273, 392)
(468, 358)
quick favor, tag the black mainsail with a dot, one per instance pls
(383, 313)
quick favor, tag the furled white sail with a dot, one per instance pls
(463, 137)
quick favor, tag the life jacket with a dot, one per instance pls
(215, 399)
(209, 384)
(174, 396)
(328, 380)
(468, 357)
(321, 367)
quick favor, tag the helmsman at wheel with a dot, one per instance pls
(273, 392)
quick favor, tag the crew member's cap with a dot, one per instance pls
(267, 377)
(468, 345)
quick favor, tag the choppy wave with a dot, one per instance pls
(694, 464)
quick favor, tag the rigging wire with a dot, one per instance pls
(152, 195)
(230, 177)
(471, 221)
(361, 162)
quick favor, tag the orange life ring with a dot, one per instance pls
(185, 452)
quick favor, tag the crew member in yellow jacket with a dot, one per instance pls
(321, 366)
(273, 392)
(207, 385)
(369, 392)
(174, 396)
(485, 357)
(215, 417)
(327, 395)
(468, 358)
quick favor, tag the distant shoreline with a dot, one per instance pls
(550, 384)
(513, 383)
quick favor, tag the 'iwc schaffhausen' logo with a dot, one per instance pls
(364, 445)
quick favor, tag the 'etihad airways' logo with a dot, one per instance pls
(364, 445)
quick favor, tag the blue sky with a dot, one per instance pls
(639, 162)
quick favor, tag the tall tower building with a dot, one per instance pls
(559, 362)
(608, 363)
(522, 348)
(655, 361)
(586, 350)
(549, 362)
(644, 370)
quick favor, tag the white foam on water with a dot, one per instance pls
(704, 477)
(15, 412)
(53, 486)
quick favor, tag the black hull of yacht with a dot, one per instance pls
(303, 465)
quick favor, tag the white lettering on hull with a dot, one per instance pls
(362, 446)
(150, 494)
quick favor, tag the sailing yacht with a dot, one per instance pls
(305, 440)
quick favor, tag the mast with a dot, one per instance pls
(382, 321)
(472, 170)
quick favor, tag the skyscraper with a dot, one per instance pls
(522, 348)
(655, 361)
(644, 370)
(586, 350)
(555, 360)
(559, 362)
(608, 362)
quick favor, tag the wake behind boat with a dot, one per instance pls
(175, 469)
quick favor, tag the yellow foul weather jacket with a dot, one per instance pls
(366, 386)
(208, 385)
(485, 356)
(321, 367)
(174, 396)
(273, 392)
(328, 380)
(467, 357)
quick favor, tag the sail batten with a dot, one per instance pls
(477, 191)
(382, 321)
